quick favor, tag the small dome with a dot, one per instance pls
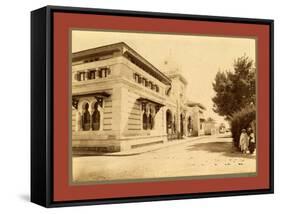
(169, 67)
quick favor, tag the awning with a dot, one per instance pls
(146, 100)
(95, 94)
(99, 96)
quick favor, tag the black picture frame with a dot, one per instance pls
(42, 104)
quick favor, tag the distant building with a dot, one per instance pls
(222, 128)
(196, 118)
(210, 127)
(120, 101)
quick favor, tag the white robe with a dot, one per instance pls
(244, 142)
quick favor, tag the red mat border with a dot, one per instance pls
(62, 191)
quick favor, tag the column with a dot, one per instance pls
(78, 121)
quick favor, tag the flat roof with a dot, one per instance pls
(125, 50)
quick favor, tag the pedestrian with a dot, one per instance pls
(252, 142)
(244, 141)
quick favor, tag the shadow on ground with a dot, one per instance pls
(226, 148)
(227, 135)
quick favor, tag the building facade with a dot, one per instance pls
(211, 128)
(120, 101)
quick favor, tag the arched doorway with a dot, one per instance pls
(169, 121)
(86, 121)
(95, 117)
(189, 126)
(181, 124)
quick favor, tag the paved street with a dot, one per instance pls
(212, 155)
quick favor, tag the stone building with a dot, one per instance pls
(120, 101)
(210, 127)
(196, 115)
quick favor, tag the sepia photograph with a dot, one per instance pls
(156, 106)
(135, 106)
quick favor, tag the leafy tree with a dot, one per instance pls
(243, 120)
(235, 89)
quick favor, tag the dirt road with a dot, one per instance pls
(213, 155)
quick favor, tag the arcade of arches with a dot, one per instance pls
(89, 117)
(185, 125)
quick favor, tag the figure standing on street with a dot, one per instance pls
(244, 141)
(252, 142)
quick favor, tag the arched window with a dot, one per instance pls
(82, 75)
(139, 79)
(150, 85)
(150, 120)
(86, 121)
(181, 123)
(77, 76)
(174, 125)
(144, 81)
(135, 77)
(108, 71)
(100, 73)
(92, 74)
(87, 75)
(105, 72)
(157, 88)
(189, 124)
(144, 121)
(96, 118)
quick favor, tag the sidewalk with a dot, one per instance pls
(146, 149)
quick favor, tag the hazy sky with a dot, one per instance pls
(198, 57)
